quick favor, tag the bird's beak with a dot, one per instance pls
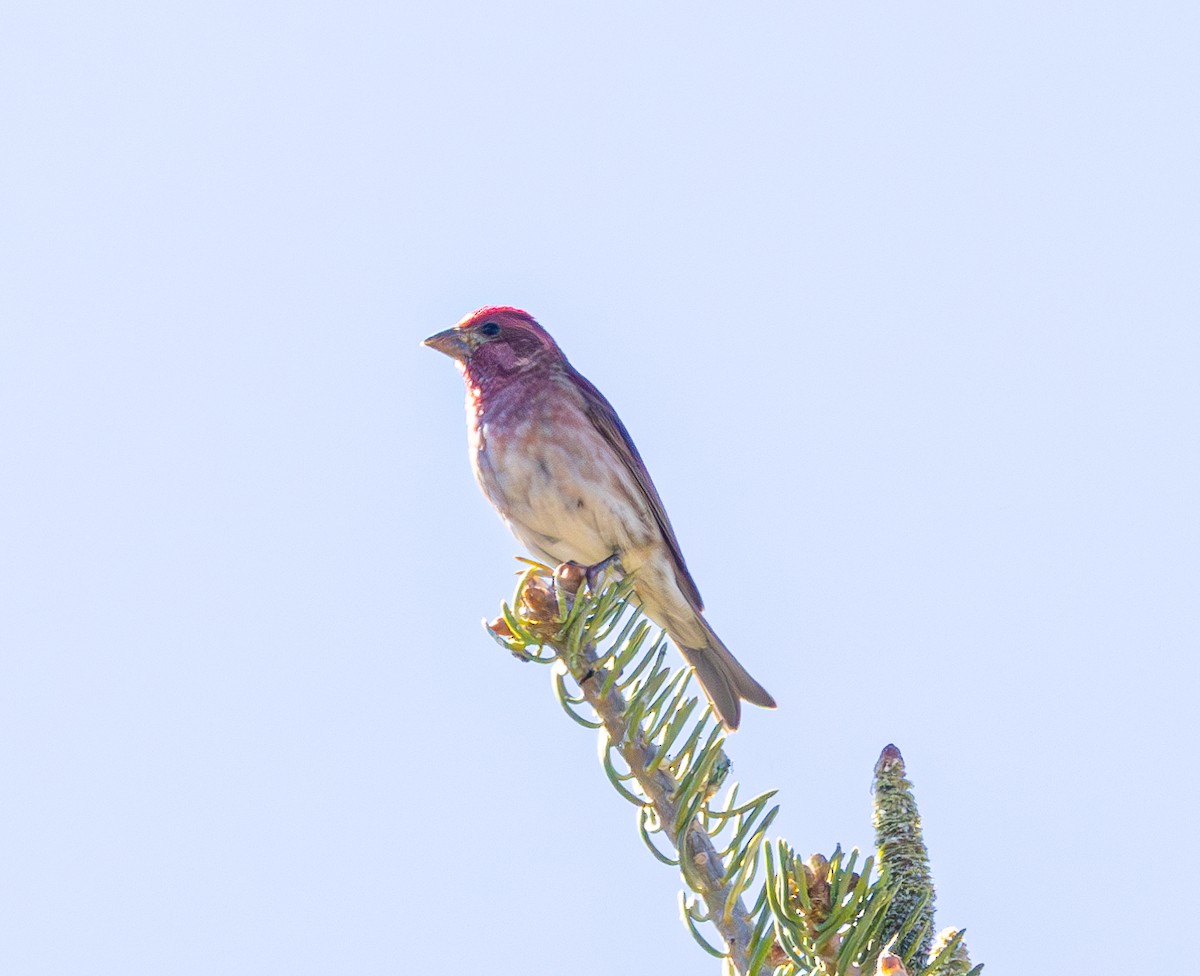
(453, 342)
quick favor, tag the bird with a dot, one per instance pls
(558, 465)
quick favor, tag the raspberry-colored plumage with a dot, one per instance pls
(554, 459)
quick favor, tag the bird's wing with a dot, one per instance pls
(605, 419)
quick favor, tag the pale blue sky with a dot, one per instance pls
(899, 302)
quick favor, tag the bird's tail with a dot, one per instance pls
(724, 680)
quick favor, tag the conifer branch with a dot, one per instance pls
(902, 851)
(664, 752)
(672, 791)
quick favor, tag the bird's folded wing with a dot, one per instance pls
(605, 419)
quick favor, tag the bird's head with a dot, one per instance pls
(497, 341)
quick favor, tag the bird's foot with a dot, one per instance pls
(596, 573)
(572, 572)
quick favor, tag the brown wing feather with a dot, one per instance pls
(605, 418)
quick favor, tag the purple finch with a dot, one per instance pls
(555, 460)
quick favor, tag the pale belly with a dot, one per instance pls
(566, 497)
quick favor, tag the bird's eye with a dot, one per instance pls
(489, 329)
